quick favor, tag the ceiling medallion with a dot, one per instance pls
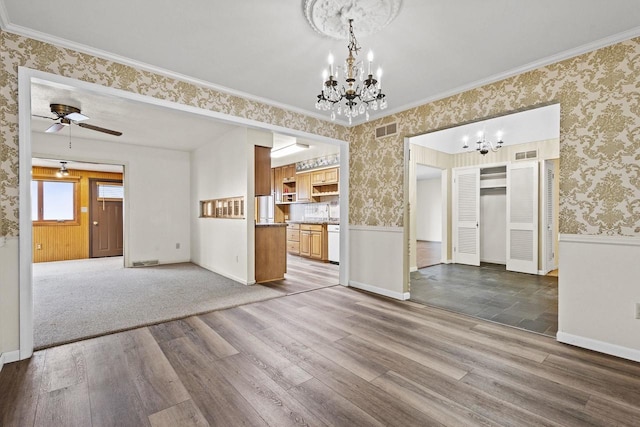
(331, 17)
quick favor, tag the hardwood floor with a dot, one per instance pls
(332, 356)
(304, 274)
(428, 253)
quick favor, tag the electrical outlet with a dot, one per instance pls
(177, 245)
(39, 246)
(638, 310)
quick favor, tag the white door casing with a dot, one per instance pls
(466, 209)
(522, 217)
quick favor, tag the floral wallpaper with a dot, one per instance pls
(599, 140)
(599, 129)
(17, 51)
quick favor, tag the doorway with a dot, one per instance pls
(503, 216)
(105, 218)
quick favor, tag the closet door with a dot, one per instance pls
(522, 217)
(466, 240)
(549, 215)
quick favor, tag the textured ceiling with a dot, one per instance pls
(268, 50)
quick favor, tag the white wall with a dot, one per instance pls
(221, 169)
(156, 210)
(598, 290)
(376, 260)
(429, 210)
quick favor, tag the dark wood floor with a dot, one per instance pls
(333, 356)
(490, 292)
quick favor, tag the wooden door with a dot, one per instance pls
(305, 243)
(303, 184)
(277, 178)
(316, 244)
(262, 171)
(105, 218)
(522, 217)
(331, 175)
(466, 211)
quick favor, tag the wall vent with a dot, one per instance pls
(525, 155)
(145, 263)
(386, 130)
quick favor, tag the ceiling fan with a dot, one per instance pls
(67, 114)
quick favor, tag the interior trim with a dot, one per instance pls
(68, 44)
(589, 47)
(380, 291)
(600, 346)
(9, 357)
(376, 228)
(599, 239)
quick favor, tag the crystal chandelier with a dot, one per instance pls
(358, 100)
(482, 145)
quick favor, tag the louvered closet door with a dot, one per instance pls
(522, 217)
(549, 223)
(466, 244)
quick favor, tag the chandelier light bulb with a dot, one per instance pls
(370, 59)
(465, 139)
(331, 63)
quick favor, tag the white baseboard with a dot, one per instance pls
(8, 357)
(599, 346)
(380, 291)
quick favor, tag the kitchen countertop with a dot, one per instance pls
(271, 224)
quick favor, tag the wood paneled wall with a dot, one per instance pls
(65, 242)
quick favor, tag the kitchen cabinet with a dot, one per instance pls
(303, 187)
(270, 252)
(277, 177)
(326, 176)
(316, 244)
(289, 172)
(293, 239)
(313, 241)
(262, 171)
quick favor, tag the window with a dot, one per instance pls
(54, 201)
(110, 191)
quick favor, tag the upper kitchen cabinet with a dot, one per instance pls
(325, 183)
(262, 169)
(304, 187)
(326, 176)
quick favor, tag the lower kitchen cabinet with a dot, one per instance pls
(313, 241)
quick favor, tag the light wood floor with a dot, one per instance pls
(304, 274)
(333, 356)
(428, 253)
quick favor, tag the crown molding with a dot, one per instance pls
(68, 44)
(589, 47)
(4, 16)
(567, 54)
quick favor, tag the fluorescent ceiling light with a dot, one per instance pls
(287, 150)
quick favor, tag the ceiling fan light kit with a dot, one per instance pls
(63, 171)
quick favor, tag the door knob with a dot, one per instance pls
(95, 222)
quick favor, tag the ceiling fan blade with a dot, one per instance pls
(99, 129)
(56, 127)
(76, 117)
(44, 117)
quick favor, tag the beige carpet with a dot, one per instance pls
(80, 299)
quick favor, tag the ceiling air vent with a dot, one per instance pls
(386, 130)
(525, 155)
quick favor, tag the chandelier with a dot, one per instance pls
(358, 98)
(482, 145)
